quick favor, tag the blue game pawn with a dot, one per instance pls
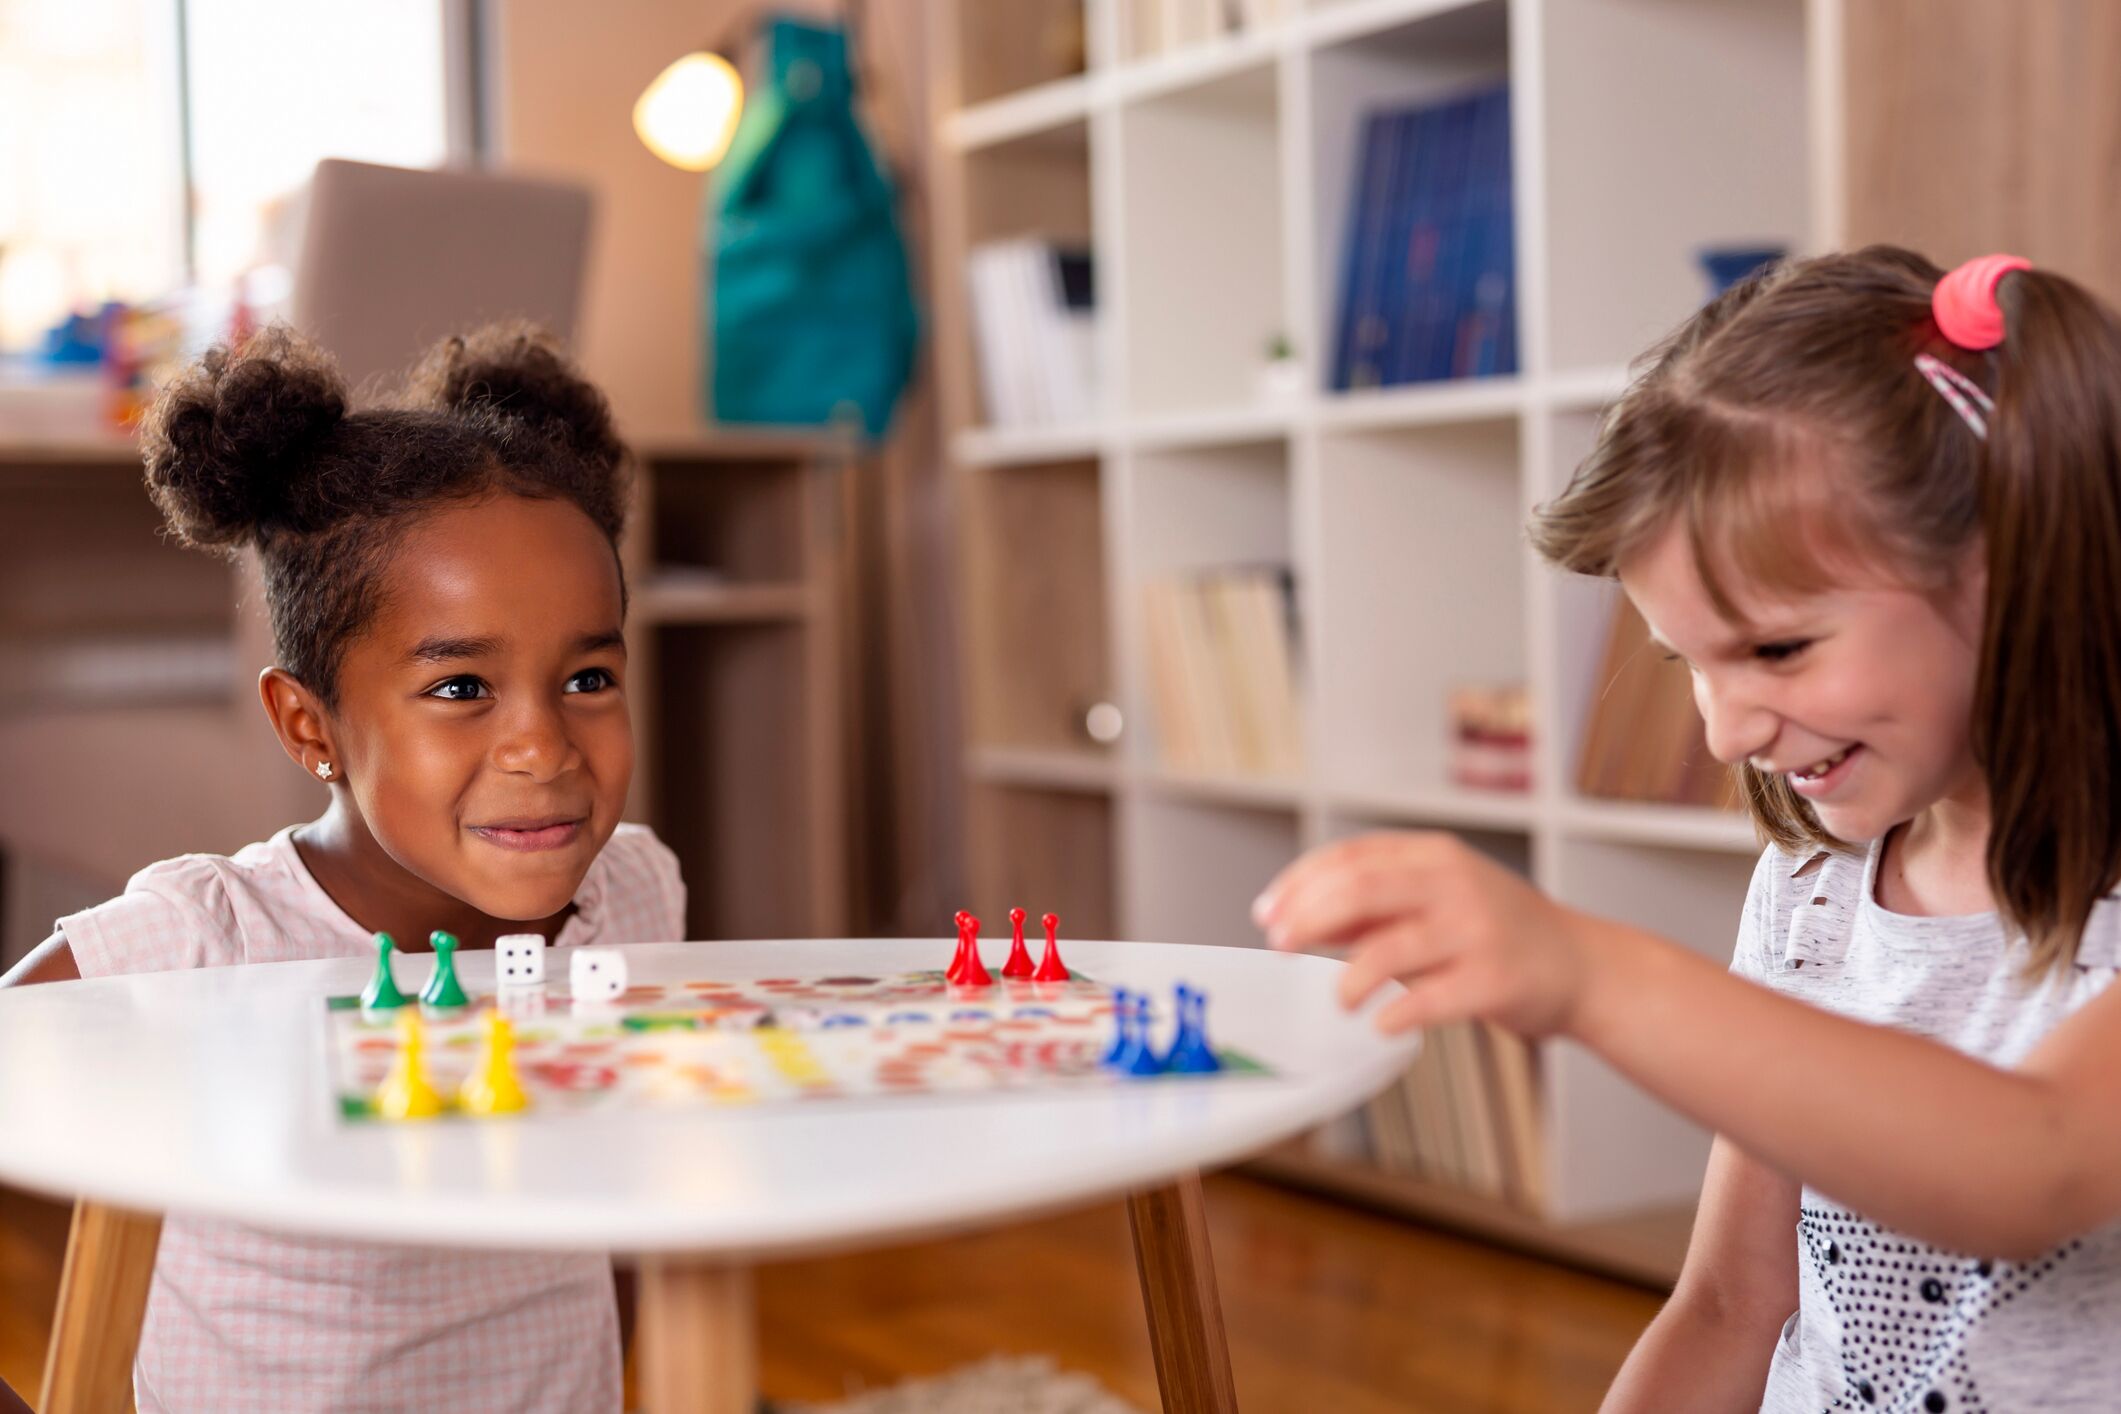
(1190, 1052)
(1143, 1060)
(1122, 1025)
(1135, 1056)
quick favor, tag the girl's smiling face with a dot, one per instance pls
(481, 723)
(1861, 695)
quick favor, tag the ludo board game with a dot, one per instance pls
(709, 1042)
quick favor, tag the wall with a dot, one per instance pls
(1976, 126)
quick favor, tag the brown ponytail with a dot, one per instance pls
(1810, 365)
(2047, 705)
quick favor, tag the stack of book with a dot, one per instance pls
(1491, 738)
(1645, 740)
(1429, 279)
(1222, 677)
(1034, 322)
(1466, 1114)
(1160, 26)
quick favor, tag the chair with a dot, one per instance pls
(393, 259)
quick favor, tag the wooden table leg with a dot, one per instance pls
(699, 1338)
(1178, 1291)
(110, 1262)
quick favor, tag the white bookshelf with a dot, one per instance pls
(1213, 185)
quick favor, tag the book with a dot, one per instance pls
(1475, 1109)
(1427, 285)
(1222, 653)
(1487, 336)
(1491, 737)
(1645, 740)
(1169, 698)
(1363, 330)
(1516, 1096)
(1408, 250)
(1034, 332)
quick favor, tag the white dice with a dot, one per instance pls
(519, 960)
(595, 974)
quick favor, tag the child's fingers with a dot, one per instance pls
(1343, 896)
(1429, 1001)
(1404, 949)
(1325, 859)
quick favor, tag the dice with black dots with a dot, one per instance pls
(595, 975)
(519, 960)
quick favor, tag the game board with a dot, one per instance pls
(710, 1043)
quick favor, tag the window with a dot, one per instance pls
(91, 158)
(103, 150)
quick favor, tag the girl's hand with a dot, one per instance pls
(1466, 936)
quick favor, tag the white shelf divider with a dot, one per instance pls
(1034, 113)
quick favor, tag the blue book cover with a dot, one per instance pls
(1373, 352)
(1479, 291)
(1429, 288)
(1500, 268)
(1410, 244)
(1426, 353)
(1366, 210)
(1506, 239)
(1364, 159)
(1495, 294)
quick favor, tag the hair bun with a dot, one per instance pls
(223, 443)
(516, 371)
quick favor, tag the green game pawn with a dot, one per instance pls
(442, 989)
(381, 993)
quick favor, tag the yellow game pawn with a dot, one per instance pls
(405, 1093)
(492, 1087)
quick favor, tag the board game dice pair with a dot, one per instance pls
(593, 974)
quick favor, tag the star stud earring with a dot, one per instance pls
(323, 770)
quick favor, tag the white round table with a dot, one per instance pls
(206, 1093)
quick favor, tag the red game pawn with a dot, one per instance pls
(972, 972)
(1050, 967)
(1019, 964)
(964, 945)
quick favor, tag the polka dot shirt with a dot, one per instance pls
(1885, 1322)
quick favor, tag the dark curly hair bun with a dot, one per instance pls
(227, 443)
(255, 447)
(516, 371)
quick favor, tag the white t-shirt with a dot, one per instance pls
(240, 1319)
(1885, 1322)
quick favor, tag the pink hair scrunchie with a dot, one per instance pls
(1965, 300)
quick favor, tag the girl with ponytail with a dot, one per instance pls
(443, 579)
(1876, 509)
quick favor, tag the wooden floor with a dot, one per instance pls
(1327, 1307)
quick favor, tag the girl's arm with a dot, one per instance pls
(1911, 1133)
(1708, 1349)
(50, 961)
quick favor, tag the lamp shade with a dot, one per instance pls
(688, 114)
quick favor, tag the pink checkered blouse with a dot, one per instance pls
(240, 1319)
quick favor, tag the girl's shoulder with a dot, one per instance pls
(200, 910)
(1824, 883)
(638, 891)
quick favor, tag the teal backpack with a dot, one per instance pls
(812, 302)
